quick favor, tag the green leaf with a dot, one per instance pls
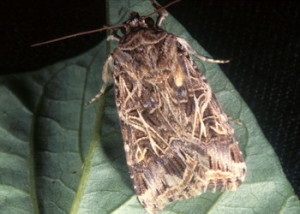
(59, 156)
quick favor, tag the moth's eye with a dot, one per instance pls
(134, 15)
(149, 21)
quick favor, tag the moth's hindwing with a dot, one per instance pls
(177, 139)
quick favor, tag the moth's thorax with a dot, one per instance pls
(142, 37)
(146, 53)
(144, 49)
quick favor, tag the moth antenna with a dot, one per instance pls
(162, 8)
(98, 30)
(76, 34)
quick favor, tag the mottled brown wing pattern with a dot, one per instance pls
(178, 141)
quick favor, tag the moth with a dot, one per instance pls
(177, 139)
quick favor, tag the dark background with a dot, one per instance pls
(260, 38)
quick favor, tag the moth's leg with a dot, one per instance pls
(191, 51)
(106, 77)
(237, 121)
(162, 14)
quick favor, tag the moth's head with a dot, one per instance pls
(137, 22)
